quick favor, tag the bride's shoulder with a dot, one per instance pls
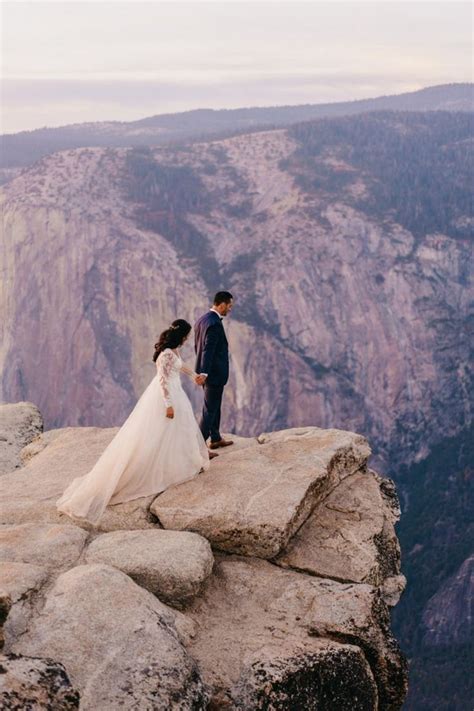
(167, 353)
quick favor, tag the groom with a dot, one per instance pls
(212, 360)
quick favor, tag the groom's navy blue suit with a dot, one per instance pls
(212, 357)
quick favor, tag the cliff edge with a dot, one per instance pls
(264, 583)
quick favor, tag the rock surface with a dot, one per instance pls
(31, 494)
(329, 676)
(5, 607)
(253, 611)
(173, 565)
(253, 500)
(251, 634)
(40, 442)
(51, 546)
(33, 683)
(126, 650)
(20, 423)
(22, 583)
(350, 536)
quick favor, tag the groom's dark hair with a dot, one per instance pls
(222, 297)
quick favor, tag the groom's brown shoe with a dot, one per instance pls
(212, 455)
(221, 443)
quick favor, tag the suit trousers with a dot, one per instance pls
(211, 412)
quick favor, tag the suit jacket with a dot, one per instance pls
(212, 349)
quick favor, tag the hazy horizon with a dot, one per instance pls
(76, 62)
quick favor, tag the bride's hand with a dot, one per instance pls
(200, 379)
(170, 412)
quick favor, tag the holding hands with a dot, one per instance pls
(199, 380)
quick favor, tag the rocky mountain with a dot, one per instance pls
(248, 587)
(23, 148)
(352, 298)
(347, 244)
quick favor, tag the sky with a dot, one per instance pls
(71, 62)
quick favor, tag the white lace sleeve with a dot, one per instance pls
(188, 371)
(165, 364)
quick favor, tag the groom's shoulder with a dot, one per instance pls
(200, 323)
(201, 318)
(207, 319)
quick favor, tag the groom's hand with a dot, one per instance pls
(170, 412)
(200, 379)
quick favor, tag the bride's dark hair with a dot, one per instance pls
(172, 337)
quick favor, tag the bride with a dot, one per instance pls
(159, 445)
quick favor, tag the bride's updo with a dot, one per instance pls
(172, 337)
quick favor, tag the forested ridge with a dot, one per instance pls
(25, 147)
(417, 167)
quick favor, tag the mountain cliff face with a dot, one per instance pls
(447, 617)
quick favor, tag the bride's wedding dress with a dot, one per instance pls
(149, 453)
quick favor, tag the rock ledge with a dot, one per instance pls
(289, 611)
